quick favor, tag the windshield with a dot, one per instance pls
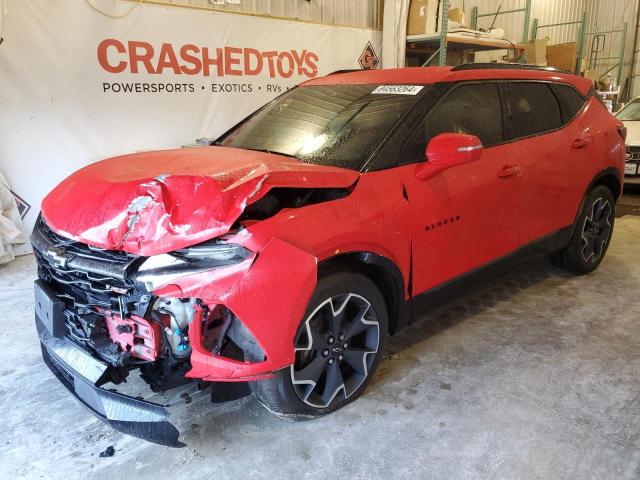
(338, 125)
(631, 112)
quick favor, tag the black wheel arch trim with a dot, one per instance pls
(609, 171)
(595, 181)
(384, 273)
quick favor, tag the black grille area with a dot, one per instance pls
(89, 281)
(79, 280)
(82, 268)
(633, 153)
(82, 249)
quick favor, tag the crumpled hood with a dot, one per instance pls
(155, 202)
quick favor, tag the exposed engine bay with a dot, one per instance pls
(109, 311)
(175, 277)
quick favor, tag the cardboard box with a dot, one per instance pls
(591, 75)
(492, 56)
(583, 65)
(563, 56)
(454, 57)
(458, 57)
(535, 52)
(423, 17)
(456, 15)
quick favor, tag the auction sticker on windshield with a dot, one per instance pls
(397, 90)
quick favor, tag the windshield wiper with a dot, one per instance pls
(204, 141)
(266, 150)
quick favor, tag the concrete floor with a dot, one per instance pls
(532, 376)
(629, 204)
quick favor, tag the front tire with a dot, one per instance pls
(337, 347)
(591, 234)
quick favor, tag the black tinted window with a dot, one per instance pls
(339, 125)
(570, 101)
(533, 109)
(472, 109)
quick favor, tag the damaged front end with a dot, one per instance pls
(151, 263)
(99, 320)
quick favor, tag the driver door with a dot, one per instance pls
(466, 216)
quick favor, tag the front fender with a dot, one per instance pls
(269, 297)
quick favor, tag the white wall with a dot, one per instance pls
(361, 13)
(56, 116)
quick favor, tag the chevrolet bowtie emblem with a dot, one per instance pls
(57, 256)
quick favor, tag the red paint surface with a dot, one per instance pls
(269, 297)
(202, 193)
(445, 225)
(142, 342)
(424, 76)
(449, 150)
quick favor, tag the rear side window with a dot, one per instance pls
(571, 102)
(532, 108)
(474, 109)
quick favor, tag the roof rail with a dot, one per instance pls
(506, 66)
(346, 70)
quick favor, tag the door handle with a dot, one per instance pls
(582, 141)
(509, 170)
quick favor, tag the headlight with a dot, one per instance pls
(159, 270)
(213, 253)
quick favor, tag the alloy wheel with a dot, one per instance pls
(596, 230)
(335, 349)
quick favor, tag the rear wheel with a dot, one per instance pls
(591, 235)
(337, 348)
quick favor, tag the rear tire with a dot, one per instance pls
(591, 233)
(338, 346)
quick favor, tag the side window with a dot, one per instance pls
(473, 109)
(571, 102)
(532, 108)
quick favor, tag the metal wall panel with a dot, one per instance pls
(601, 15)
(546, 11)
(358, 13)
(558, 11)
(610, 15)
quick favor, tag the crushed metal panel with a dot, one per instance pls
(155, 202)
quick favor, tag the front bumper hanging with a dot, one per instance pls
(81, 373)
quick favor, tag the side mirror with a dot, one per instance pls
(449, 150)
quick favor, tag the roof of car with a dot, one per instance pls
(429, 75)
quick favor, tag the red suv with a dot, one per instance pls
(281, 257)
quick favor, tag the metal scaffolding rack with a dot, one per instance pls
(620, 57)
(444, 40)
(581, 34)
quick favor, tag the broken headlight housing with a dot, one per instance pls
(216, 253)
(159, 270)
